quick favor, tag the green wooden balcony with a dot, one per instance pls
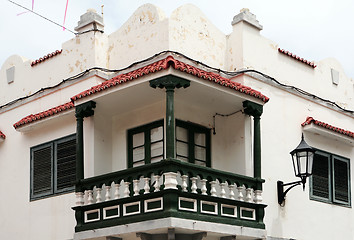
(169, 188)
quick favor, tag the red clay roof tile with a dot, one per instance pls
(32, 118)
(178, 65)
(311, 64)
(310, 120)
(44, 58)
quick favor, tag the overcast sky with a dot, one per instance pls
(313, 29)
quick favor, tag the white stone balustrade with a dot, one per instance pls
(169, 180)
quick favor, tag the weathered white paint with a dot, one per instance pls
(189, 32)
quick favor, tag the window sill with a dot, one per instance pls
(32, 199)
(329, 202)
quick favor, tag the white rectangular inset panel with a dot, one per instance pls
(228, 210)
(152, 205)
(131, 208)
(187, 204)
(92, 215)
(209, 207)
(111, 212)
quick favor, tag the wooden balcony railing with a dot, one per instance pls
(169, 188)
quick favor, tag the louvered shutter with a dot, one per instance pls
(320, 177)
(65, 163)
(340, 180)
(42, 170)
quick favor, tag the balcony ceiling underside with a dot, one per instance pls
(200, 94)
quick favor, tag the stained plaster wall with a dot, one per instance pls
(244, 48)
(253, 51)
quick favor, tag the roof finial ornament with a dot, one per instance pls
(246, 16)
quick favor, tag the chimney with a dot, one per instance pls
(90, 21)
(246, 16)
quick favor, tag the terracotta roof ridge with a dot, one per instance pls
(310, 120)
(41, 115)
(2, 135)
(300, 59)
(46, 57)
(163, 64)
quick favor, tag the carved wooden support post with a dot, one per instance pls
(81, 111)
(256, 111)
(170, 82)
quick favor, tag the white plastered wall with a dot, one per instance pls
(125, 121)
(49, 218)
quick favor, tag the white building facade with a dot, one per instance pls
(170, 129)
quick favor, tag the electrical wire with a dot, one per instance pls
(228, 73)
(222, 115)
(42, 16)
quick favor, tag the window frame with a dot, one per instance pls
(146, 128)
(331, 180)
(54, 175)
(193, 128)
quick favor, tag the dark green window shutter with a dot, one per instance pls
(341, 180)
(65, 163)
(53, 167)
(42, 170)
(320, 177)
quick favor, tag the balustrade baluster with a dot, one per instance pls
(157, 183)
(108, 193)
(126, 189)
(146, 185)
(258, 196)
(222, 190)
(213, 189)
(249, 195)
(136, 187)
(240, 194)
(184, 183)
(231, 191)
(194, 184)
(79, 198)
(90, 197)
(98, 196)
(203, 188)
(116, 190)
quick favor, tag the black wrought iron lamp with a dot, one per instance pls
(302, 157)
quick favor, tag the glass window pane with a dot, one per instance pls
(138, 139)
(136, 164)
(138, 153)
(182, 149)
(156, 134)
(156, 149)
(199, 139)
(200, 163)
(156, 159)
(200, 153)
(182, 134)
(183, 159)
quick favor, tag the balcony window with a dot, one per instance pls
(53, 167)
(146, 144)
(193, 143)
(331, 179)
